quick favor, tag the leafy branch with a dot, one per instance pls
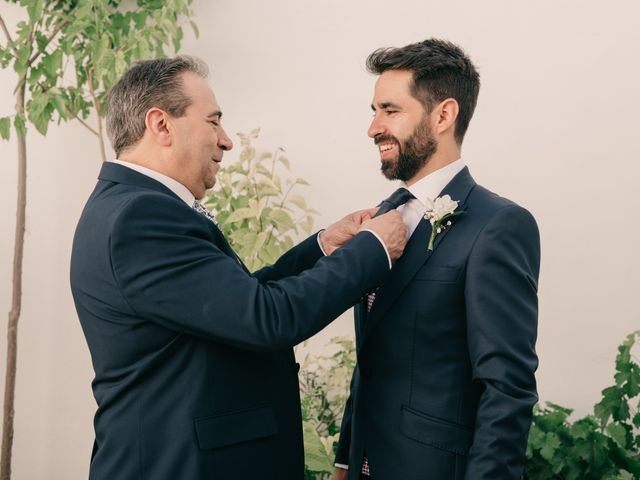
(254, 212)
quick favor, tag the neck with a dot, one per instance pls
(150, 160)
(441, 158)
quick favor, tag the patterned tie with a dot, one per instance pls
(198, 207)
(397, 198)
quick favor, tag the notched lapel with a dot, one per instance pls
(415, 255)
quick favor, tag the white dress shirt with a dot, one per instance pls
(428, 187)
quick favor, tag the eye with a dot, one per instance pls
(215, 123)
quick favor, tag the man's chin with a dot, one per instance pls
(388, 169)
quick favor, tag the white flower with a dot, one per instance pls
(439, 212)
(440, 207)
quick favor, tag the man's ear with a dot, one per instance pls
(157, 124)
(446, 113)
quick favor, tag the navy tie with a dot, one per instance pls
(397, 198)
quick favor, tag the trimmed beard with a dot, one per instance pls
(413, 155)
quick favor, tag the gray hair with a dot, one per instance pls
(147, 84)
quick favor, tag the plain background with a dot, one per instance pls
(556, 130)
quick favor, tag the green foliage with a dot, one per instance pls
(256, 208)
(602, 446)
(69, 53)
(324, 388)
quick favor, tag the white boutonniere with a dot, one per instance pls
(440, 212)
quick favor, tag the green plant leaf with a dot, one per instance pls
(624, 475)
(636, 420)
(5, 128)
(195, 29)
(307, 224)
(240, 214)
(618, 433)
(612, 404)
(301, 181)
(316, 458)
(34, 8)
(282, 220)
(582, 428)
(52, 64)
(551, 444)
(298, 201)
(285, 162)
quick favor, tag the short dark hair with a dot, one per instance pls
(440, 70)
(147, 84)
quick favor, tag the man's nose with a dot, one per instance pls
(224, 142)
(376, 128)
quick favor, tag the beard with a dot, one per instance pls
(413, 154)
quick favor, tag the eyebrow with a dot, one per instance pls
(217, 113)
(384, 105)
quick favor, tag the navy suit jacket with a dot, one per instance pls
(195, 377)
(444, 384)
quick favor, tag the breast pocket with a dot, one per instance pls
(438, 273)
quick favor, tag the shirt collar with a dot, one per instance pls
(432, 185)
(176, 187)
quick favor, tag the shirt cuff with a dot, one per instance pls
(342, 466)
(320, 243)
(381, 243)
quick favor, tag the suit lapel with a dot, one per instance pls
(414, 257)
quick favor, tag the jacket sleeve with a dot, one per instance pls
(170, 272)
(502, 310)
(293, 262)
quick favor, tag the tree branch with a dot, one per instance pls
(6, 32)
(87, 126)
(60, 26)
(96, 105)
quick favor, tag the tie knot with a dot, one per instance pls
(397, 198)
(198, 207)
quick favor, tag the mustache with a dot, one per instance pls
(385, 139)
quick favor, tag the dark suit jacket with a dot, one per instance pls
(444, 384)
(195, 377)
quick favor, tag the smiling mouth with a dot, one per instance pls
(386, 147)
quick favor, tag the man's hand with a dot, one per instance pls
(343, 230)
(340, 474)
(391, 230)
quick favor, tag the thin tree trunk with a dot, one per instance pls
(16, 301)
(96, 105)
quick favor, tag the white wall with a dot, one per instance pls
(556, 130)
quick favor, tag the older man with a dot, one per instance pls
(195, 377)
